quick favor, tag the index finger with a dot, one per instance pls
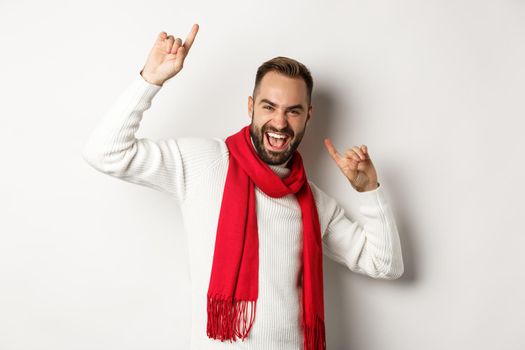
(191, 37)
(331, 149)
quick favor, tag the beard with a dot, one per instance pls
(269, 156)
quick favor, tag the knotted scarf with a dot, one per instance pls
(233, 288)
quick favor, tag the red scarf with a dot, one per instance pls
(233, 288)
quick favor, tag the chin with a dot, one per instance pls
(269, 156)
(274, 158)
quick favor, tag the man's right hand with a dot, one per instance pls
(166, 58)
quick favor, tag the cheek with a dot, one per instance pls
(260, 121)
(298, 126)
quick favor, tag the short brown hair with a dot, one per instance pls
(288, 67)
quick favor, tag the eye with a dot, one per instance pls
(295, 111)
(268, 107)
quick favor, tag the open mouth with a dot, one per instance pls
(276, 141)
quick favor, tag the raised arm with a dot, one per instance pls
(112, 147)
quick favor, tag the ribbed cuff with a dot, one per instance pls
(148, 89)
(372, 196)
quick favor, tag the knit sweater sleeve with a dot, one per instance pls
(167, 165)
(370, 246)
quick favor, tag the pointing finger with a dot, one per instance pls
(191, 37)
(331, 149)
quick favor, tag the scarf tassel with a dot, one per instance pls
(314, 335)
(229, 319)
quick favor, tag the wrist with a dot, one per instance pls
(150, 79)
(369, 188)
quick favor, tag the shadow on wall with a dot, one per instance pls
(324, 123)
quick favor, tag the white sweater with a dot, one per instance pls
(193, 171)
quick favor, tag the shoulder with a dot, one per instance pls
(202, 150)
(214, 145)
(199, 154)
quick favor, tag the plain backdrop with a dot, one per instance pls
(434, 88)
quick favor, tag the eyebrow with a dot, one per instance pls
(264, 100)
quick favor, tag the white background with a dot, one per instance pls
(434, 88)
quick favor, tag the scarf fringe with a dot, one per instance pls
(314, 335)
(229, 319)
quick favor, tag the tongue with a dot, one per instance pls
(275, 142)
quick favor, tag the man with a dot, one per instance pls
(256, 227)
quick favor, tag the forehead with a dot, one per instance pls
(282, 90)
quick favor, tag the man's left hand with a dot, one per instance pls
(356, 165)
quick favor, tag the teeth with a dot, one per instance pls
(277, 136)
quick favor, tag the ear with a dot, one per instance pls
(310, 113)
(250, 106)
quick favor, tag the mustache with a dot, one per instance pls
(286, 131)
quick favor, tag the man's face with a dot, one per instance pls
(279, 116)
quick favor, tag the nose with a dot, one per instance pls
(280, 119)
